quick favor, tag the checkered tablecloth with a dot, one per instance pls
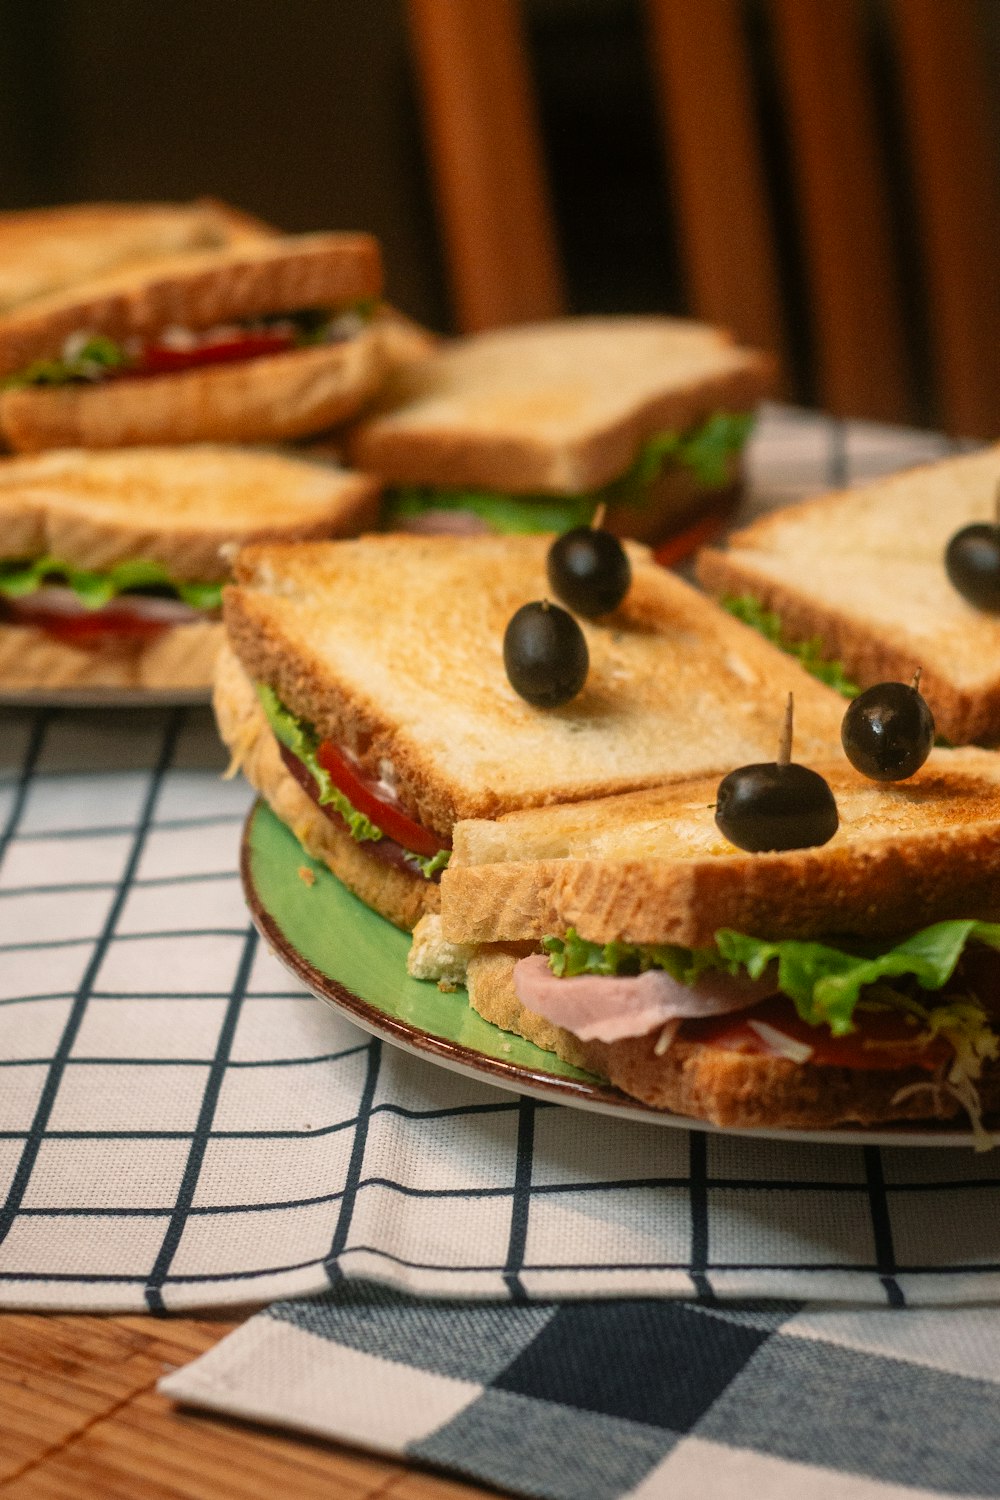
(181, 1126)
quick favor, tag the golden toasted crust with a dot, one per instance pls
(196, 290)
(863, 571)
(181, 659)
(731, 1089)
(652, 867)
(397, 895)
(43, 250)
(178, 507)
(963, 716)
(559, 407)
(275, 397)
(393, 646)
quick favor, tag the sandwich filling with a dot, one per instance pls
(135, 600)
(368, 810)
(809, 653)
(89, 358)
(706, 451)
(931, 1001)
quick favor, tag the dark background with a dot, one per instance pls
(303, 111)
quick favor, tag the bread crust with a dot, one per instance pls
(963, 717)
(935, 856)
(457, 633)
(516, 451)
(396, 894)
(43, 250)
(734, 1090)
(255, 276)
(274, 397)
(181, 659)
(179, 508)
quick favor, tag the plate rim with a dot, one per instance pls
(98, 697)
(516, 1077)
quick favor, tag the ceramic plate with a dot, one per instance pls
(349, 956)
(106, 698)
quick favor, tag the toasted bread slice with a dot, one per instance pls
(560, 408)
(277, 397)
(45, 250)
(177, 507)
(393, 646)
(197, 289)
(652, 866)
(736, 1090)
(182, 659)
(398, 895)
(863, 570)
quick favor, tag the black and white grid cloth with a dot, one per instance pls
(180, 1125)
(658, 1400)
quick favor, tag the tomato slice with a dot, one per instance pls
(387, 815)
(878, 1042)
(102, 627)
(160, 359)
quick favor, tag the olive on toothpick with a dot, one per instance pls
(589, 569)
(776, 804)
(888, 731)
(972, 562)
(545, 654)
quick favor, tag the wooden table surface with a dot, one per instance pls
(80, 1419)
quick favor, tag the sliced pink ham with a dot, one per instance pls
(605, 1008)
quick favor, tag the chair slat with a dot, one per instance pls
(713, 150)
(955, 169)
(843, 200)
(486, 158)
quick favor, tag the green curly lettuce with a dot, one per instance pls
(96, 589)
(824, 982)
(705, 450)
(809, 653)
(303, 742)
(92, 361)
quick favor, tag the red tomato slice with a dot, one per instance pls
(103, 627)
(159, 359)
(388, 816)
(881, 1030)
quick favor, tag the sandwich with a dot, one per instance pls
(531, 428)
(365, 696)
(46, 250)
(112, 564)
(208, 329)
(861, 578)
(853, 983)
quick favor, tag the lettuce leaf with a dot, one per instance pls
(809, 653)
(706, 450)
(93, 360)
(823, 981)
(96, 589)
(303, 741)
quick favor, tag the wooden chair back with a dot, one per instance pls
(503, 263)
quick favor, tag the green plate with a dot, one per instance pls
(348, 955)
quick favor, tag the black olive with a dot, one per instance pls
(776, 804)
(545, 654)
(888, 731)
(589, 570)
(972, 561)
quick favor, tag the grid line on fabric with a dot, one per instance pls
(32, 1145)
(354, 1168)
(698, 1208)
(878, 1205)
(22, 785)
(520, 1200)
(199, 1140)
(108, 830)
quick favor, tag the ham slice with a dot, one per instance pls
(606, 1008)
